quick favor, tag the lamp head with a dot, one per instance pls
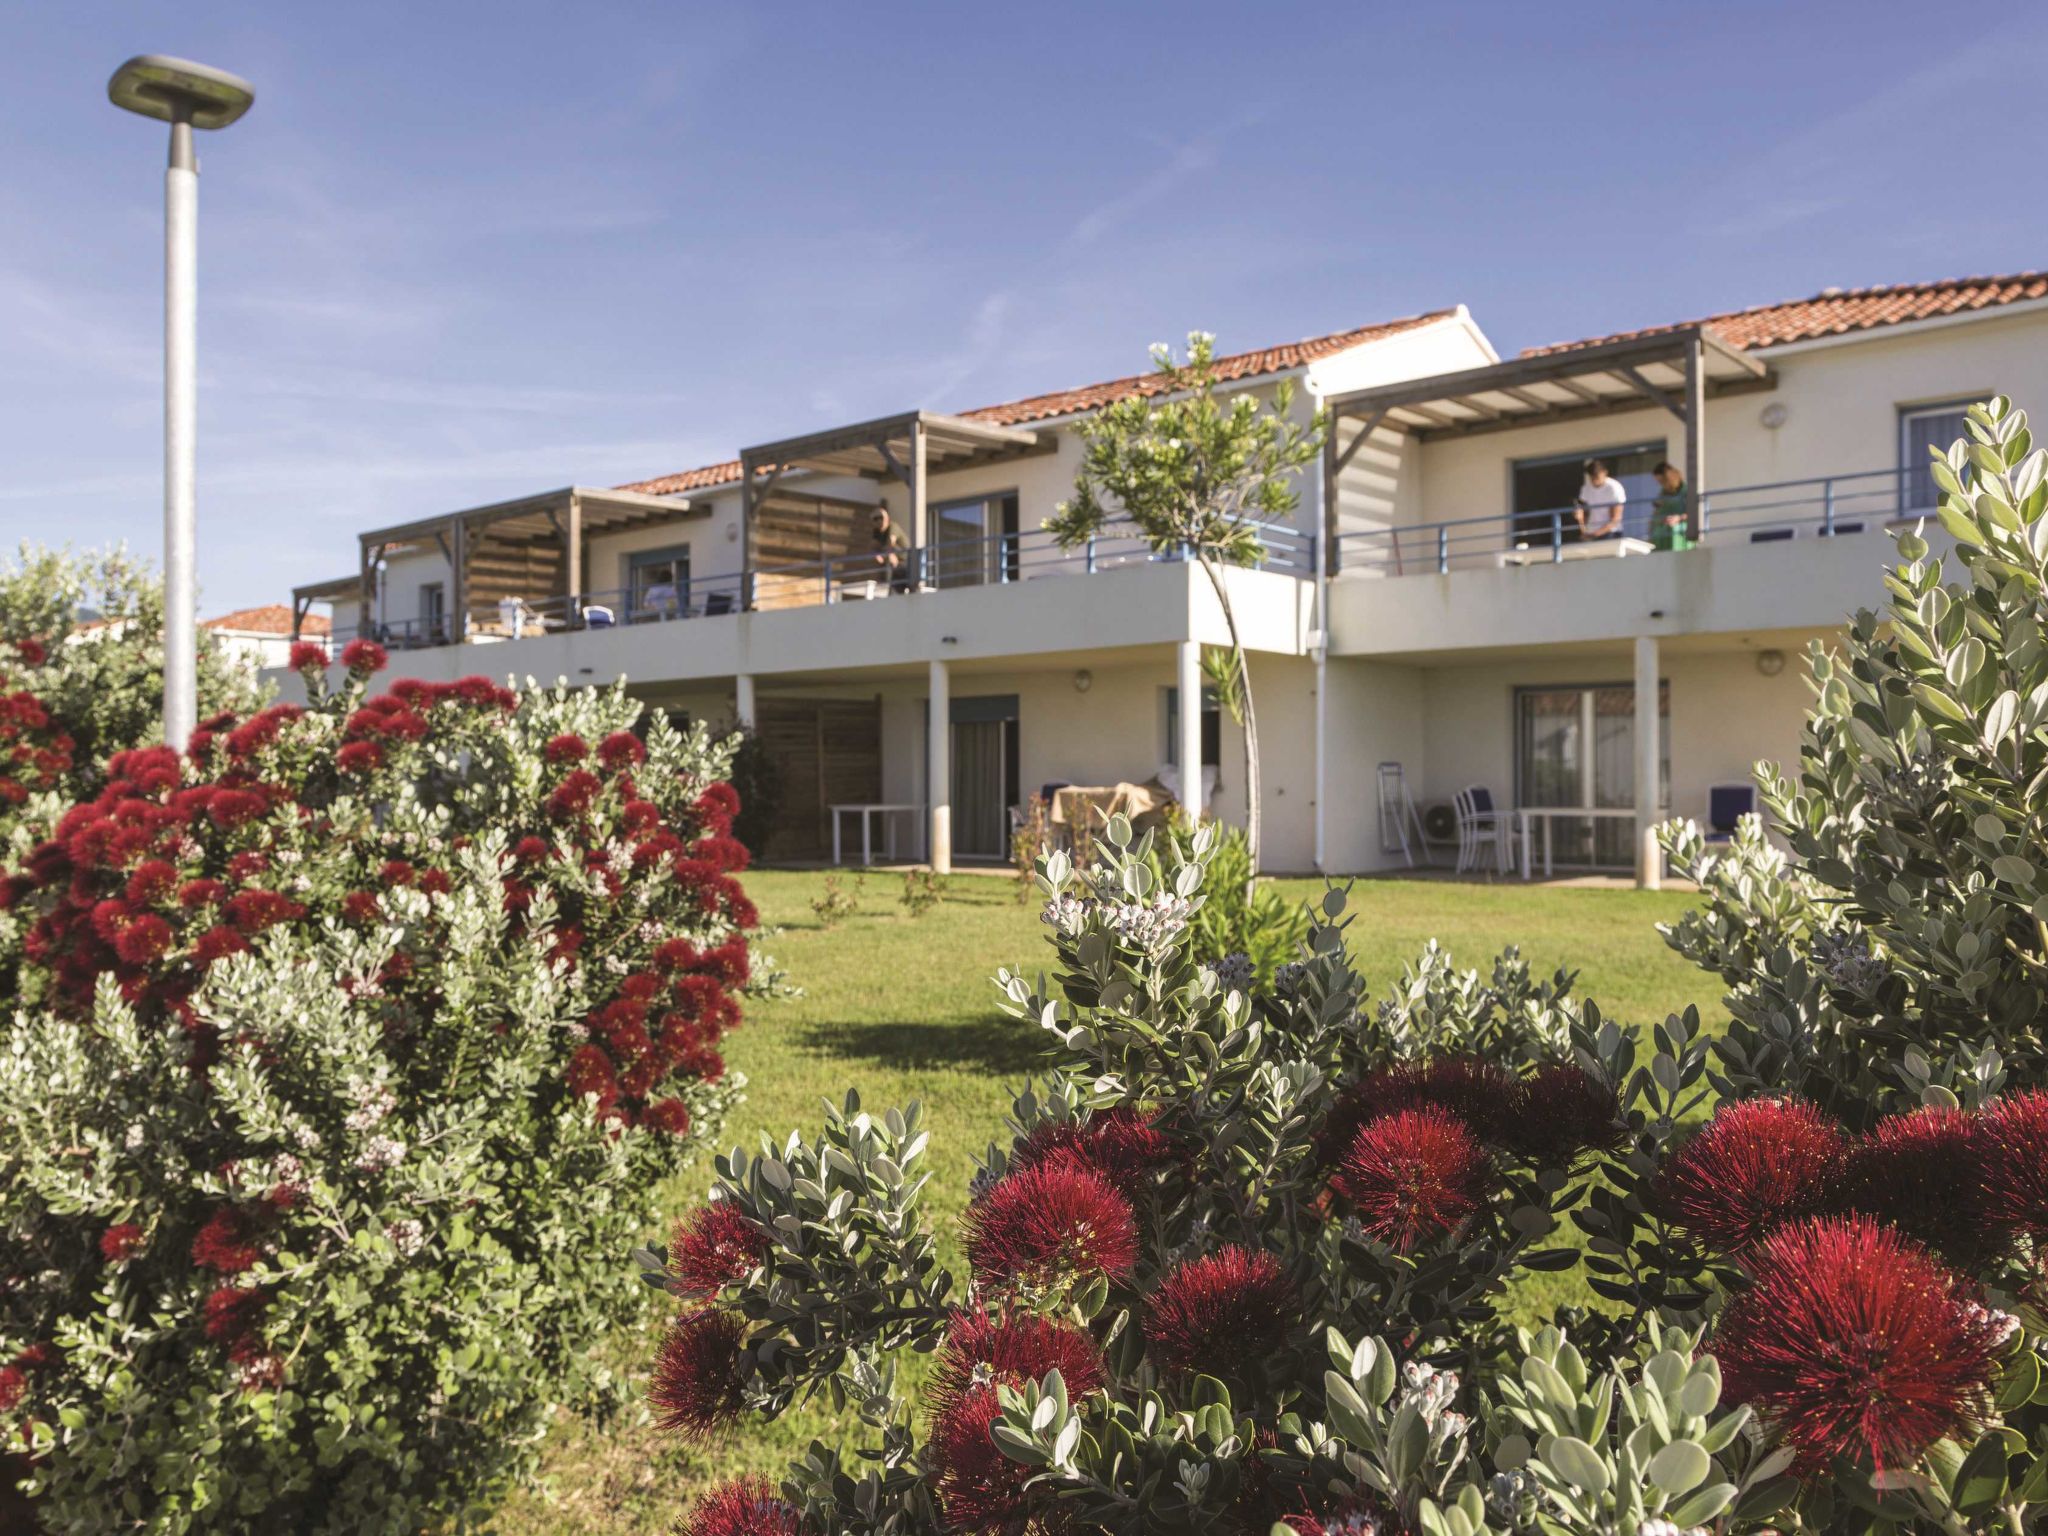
(177, 90)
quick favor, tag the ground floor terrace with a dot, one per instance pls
(1363, 760)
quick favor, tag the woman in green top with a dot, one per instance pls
(1667, 513)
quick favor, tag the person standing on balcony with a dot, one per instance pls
(891, 564)
(1601, 502)
(1668, 529)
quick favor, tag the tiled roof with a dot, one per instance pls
(1090, 397)
(1839, 311)
(270, 619)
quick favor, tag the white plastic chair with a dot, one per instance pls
(1485, 835)
(597, 616)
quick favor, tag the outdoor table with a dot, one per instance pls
(1550, 813)
(1613, 547)
(867, 811)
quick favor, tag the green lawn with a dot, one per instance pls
(901, 1008)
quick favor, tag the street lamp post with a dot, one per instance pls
(187, 96)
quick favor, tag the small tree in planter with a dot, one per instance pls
(342, 1048)
(1195, 474)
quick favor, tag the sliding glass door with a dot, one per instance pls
(974, 542)
(1575, 746)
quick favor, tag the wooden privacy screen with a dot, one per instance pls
(792, 538)
(535, 569)
(826, 752)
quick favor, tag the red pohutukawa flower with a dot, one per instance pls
(713, 1247)
(1856, 1343)
(1221, 1312)
(120, 1242)
(1565, 1113)
(1050, 1225)
(1011, 1349)
(227, 1244)
(1414, 1176)
(234, 1317)
(621, 749)
(745, 1506)
(307, 654)
(1121, 1144)
(979, 1489)
(671, 1116)
(565, 749)
(363, 657)
(701, 1372)
(2016, 1163)
(1924, 1173)
(1480, 1094)
(1753, 1168)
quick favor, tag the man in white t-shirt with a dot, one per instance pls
(1601, 502)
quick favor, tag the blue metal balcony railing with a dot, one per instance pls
(997, 561)
(1824, 506)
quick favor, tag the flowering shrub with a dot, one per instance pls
(1238, 1267)
(100, 683)
(1239, 1259)
(345, 1045)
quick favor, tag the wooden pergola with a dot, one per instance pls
(342, 589)
(531, 548)
(1677, 371)
(908, 448)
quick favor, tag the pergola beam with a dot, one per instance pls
(1724, 369)
(1634, 379)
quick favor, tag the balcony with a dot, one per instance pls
(952, 565)
(1780, 512)
(1786, 560)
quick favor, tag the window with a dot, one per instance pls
(1922, 427)
(1212, 728)
(658, 583)
(1539, 487)
(1575, 745)
(975, 541)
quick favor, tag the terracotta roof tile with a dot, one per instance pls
(1090, 397)
(270, 619)
(1839, 311)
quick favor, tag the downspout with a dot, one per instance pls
(1325, 548)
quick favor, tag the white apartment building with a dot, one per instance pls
(1431, 604)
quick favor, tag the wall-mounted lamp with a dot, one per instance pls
(732, 533)
(1774, 415)
(1770, 663)
(1083, 680)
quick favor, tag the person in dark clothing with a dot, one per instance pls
(891, 559)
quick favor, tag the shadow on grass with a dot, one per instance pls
(983, 1044)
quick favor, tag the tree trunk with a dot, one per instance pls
(1251, 718)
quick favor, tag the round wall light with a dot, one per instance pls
(1774, 415)
(1770, 663)
(1083, 680)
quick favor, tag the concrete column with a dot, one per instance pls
(938, 773)
(743, 698)
(1649, 728)
(1188, 748)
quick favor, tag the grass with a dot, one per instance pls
(900, 1007)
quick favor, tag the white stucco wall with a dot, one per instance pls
(1842, 400)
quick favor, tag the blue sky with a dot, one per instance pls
(458, 252)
